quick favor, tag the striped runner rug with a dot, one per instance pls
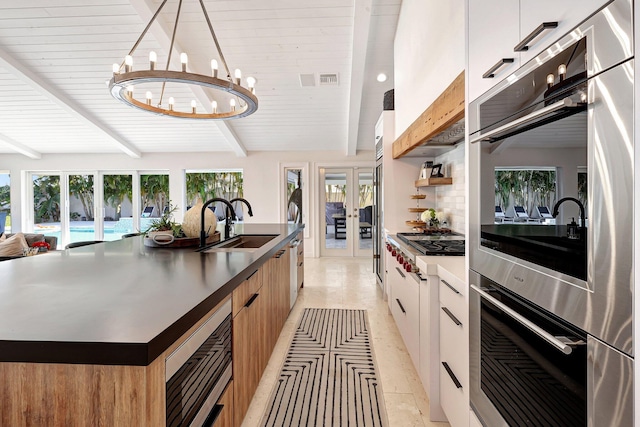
(329, 375)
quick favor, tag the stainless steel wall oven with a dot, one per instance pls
(568, 111)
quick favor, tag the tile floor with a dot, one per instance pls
(350, 283)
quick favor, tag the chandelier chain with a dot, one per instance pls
(173, 39)
(144, 32)
(215, 39)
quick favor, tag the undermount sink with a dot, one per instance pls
(243, 242)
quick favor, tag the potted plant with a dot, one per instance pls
(165, 225)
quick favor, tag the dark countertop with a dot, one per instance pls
(120, 302)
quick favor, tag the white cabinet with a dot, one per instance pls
(454, 349)
(429, 369)
(496, 27)
(405, 309)
(567, 13)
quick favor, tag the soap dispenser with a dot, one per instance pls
(572, 230)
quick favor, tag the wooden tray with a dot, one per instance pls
(417, 210)
(418, 196)
(182, 242)
(415, 223)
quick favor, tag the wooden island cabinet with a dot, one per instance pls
(94, 347)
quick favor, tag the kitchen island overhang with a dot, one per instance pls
(120, 302)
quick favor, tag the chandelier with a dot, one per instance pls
(242, 100)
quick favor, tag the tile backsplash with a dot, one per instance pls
(450, 199)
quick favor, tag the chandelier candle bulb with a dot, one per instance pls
(251, 82)
(130, 90)
(232, 104)
(149, 97)
(562, 71)
(214, 68)
(116, 68)
(193, 106)
(238, 75)
(550, 80)
(214, 107)
(128, 63)
(153, 57)
(184, 59)
(171, 102)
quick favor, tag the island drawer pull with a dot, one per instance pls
(523, 45)
(300, 265)
(491, 72)
(213, 416)
(280, 253)
(450, 287)
(251, 300)
(451, 316)
(452, 375)
(401, 307)
(251, 275)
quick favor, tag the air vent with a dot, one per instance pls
(307, 80)
(328, 80)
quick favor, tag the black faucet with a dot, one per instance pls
(580, 205)
(203, 233)
(245, 201)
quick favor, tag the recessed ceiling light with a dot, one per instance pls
(382, 77)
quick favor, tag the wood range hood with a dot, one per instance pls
(438, 129)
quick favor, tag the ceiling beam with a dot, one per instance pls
(146, 10)
(21, 72)
(20, 148)
(361, 24)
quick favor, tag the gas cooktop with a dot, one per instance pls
(446, 243)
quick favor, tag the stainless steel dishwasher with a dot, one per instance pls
(293, 271)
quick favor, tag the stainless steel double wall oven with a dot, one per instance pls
(551, 301)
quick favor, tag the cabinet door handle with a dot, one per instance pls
(523, 45)
(450, 287)
(401, 307)
(491, 71)
(452, 375)
(451, 316)
(422, 279)
(280, 253)
(213, 416)
(300, 265)
(251, 300)
(401, 273)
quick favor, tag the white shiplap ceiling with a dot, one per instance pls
(56, 56)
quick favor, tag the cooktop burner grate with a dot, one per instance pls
(432, 245)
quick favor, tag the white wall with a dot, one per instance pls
(450, 199)
(428, 53)
(261, 170)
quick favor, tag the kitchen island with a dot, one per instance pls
(103, 315)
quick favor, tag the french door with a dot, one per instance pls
(346, 199)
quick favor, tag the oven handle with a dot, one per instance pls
(566, 102)
(525, 322)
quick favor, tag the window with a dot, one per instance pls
(117, 207)
(5, 202)
(528, 188)
(46, 204)
(205, 185)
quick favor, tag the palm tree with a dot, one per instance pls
(154, 190)
(116, 189)
(46, 198)
(81, 186)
